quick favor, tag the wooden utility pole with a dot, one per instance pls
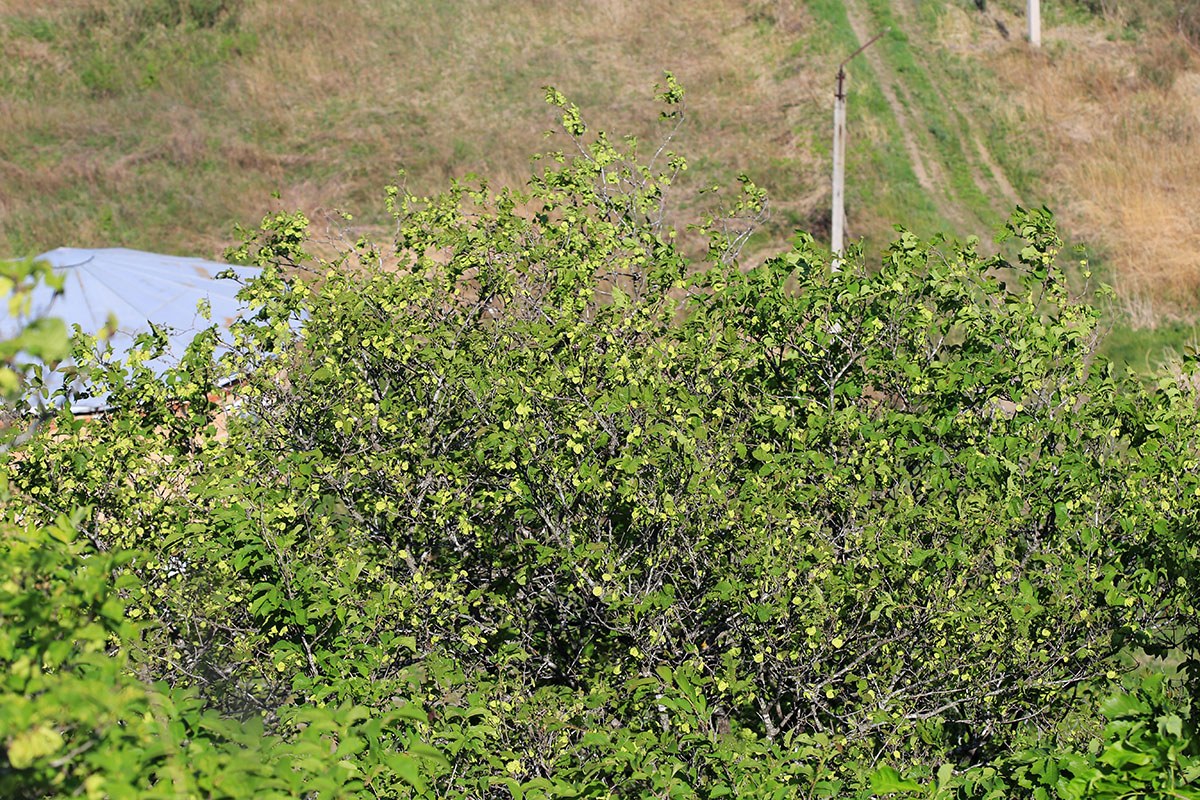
(839, 168)
(1034, 12)
(838, 222)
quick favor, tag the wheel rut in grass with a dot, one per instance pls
(1001, 180)
(998, 178)
(929, 174)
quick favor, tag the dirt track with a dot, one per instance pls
(930, 177)
(930, 172)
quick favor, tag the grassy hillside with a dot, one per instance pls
(162, 123)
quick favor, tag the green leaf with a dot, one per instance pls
(1171, 725)
(412, 711)
(1122, 705)
(886, 780)
(429, 752)
(407, 769)
(28, 746)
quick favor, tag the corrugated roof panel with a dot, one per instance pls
(138, 288)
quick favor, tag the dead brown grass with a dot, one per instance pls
(335, 97)
(1120, 126)
(1143, 193)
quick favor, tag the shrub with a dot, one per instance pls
(74, 720)
(1148, 748)
(623, 523)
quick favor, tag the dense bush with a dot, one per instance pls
(1149, 748)
(600, 521)
(75, 720)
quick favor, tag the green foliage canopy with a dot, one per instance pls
(532, 488)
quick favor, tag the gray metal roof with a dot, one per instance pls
(137, 288)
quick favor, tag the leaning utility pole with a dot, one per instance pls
(1034, 13)
(839, 154)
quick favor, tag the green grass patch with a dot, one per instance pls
(1145, 351)
(938, 124)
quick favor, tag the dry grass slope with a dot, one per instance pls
(1116, 121)
(167, 137)
(161, 123)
